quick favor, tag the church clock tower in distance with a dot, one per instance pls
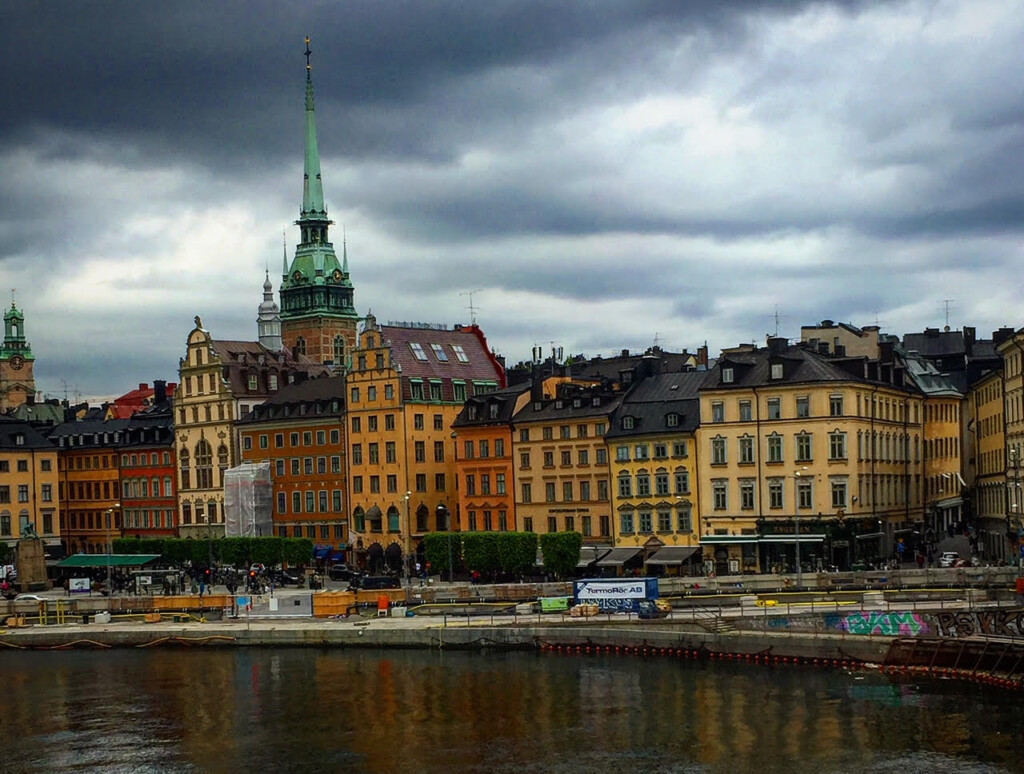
(17, 381)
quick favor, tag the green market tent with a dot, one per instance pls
(107, 560)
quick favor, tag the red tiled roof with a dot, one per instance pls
(480, 364)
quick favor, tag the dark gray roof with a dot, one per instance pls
(655, 400)
(12, 429)
(504, 398)
(302, 401)
(935, 343)
(89, 427)
(564, 407)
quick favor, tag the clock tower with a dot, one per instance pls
(318, 316)
(17, 382)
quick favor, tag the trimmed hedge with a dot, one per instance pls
(237, 552)
(512, 553)
(561, 552)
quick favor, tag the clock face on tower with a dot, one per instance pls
(17, 362)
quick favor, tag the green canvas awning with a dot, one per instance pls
(104, 560)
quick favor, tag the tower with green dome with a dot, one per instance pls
(318, 316)
(17, 381)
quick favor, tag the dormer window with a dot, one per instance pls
(728, 376)
(471, 411)
(627, 423)
(577, 402)
(252, 381)
(672, 420)
(777, 372)
(596, 401)
(493, 411)
(19, 439)
(537, 405)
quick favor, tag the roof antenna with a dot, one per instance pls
(946, 303)
(472, 309)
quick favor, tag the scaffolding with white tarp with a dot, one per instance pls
(249, 500)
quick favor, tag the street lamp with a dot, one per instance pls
(408, 531)
(796, 526)
(110, 550)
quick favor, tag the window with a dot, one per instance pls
(625, 485)
(549, 492)
(392, 483)
(567, 491)
(438, 451)
(460, 391)
(552, 524)
(660, 451)
(485, 449)
(602, 456)
(390, 452)
(643, 484)
(646, 521)
(680, 449)
(583, 455)
(566, 457)
(803, 447)
(549, 459)
(439, 483)
(420, 451)
(389, 391)
(745, 412)
(626, 522)
(439, 353)
(720, 494)
(417, 390)
(460, 353)
(438, 421)
(417, 422)
(371, 423)
(775, 448)
(804, 495)
(310, 502)
(499, 483)
(718, 411)
(278, 440)
(468, 450)
(661, 486)
(837, 446)
(684, 520)
(374, 450)
(354, 392)
(777, 372)
(374, 484)
(672, 420)
(627, 423)
(682, 482)
(838, 493)
(357, 454)
(371, 393)
(803, 406)
(584, 490)
(499, 447)
(548, 433)
(524, 459)
(264, 442)
(641, 452)
(718, 456)
(746, 494)
(524, 435)
(774, 408)
(835, 405)
(728, 376)
(526, 492)
(307, 465)
(246, 443)
(664, 520)
(357, 485)
(775, 494)
(296, 502)
(622, 454)
(356, 424)
(417, 351)
(746, 450)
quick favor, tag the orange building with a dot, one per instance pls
(301, 433)
(89, 483)
(406, 387)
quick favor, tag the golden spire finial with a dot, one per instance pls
(308, 52)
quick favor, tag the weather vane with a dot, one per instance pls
(308, 53)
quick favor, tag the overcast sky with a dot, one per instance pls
(601, 175)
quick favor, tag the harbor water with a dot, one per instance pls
(296, 710)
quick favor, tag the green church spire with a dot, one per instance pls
(312, 185)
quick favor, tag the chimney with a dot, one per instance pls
(777, 345)
(970, 336)
(536, 385)
(625, 353)
(159, 392)
(702, 355)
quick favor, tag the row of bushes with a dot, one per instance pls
(233, 551)
(508, 553)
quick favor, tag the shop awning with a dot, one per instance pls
(618, 556)
(590, 554)
(792, 539)
(672, 555)
(714, 540)
(111, 560)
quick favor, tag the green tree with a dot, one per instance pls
(298, 551)
(517, 552)
(561, 551)
(436, 547)
(480, 552)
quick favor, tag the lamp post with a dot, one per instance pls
(110, 551)
(796, 526)
(408, 531)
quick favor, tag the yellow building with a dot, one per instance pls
(987, 474)
(406, 386)
(842, 339)
(562, 472)
(219, 383)
(29, 491)
(655, 480)
(1011, 350)
(800, 446)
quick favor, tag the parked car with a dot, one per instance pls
(340, 572)
(949, 559)
(284, 577)
(374, 582)
(29, 598)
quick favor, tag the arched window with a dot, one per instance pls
(339, 350)
(222, 461)
(186, 477)
(300, 346)
(204, 465)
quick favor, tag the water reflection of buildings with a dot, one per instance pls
(380, 711)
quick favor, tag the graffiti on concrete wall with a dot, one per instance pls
(903, 623)
(1005, 623)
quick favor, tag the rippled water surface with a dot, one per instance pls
(343, 711)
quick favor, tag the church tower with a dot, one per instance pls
(269, 320)
(17, 382)
(318, 316)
